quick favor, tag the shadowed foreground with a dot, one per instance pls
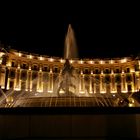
(69, 123)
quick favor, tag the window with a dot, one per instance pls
(24, 66)
(107, 71)
(34, 75)
(107, 79)
(117, 78)
(117, 70)
(12, 74)
(128, 70)
(45, 68)
(11, 84)
(77, 70)
(97, 79)
(35, 67)
(23, 75)
(86, 71)
(13, 64)
(55, 69)
(129, 88)
(136, 67)
(96, 62)
(96, 71)
(4, 59)
(128, 78)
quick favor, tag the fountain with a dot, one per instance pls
(67, 79)
(66, 88)
(6, 98)
(70, 47)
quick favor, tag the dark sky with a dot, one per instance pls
(101, 31)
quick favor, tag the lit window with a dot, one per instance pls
(81, 62)
(101, 62)
(91, 62)
(30, 56)
(123, 60)
(51, 59)
(111, 61)
(61, 60)
(41, 58)
(71, 61)
(19, 54)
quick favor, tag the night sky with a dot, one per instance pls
(100, 31)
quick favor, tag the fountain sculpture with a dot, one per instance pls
(66, 88)
(67, 77)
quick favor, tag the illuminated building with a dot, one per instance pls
(113, 75)
(44, 76)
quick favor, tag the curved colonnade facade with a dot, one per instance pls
(34, 73)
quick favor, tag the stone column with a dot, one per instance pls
(8, 80)
(90, 86)
(81, 84)
(0, 74)
(137, 80)
(39, 83)
(29, 80)
(113, 86)
(50, 89)
(123, 83)
(94, 83)
(126, 85)
(40, 80)
(17, 80)
(132, 82)
(102, 86)
(2, 77)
